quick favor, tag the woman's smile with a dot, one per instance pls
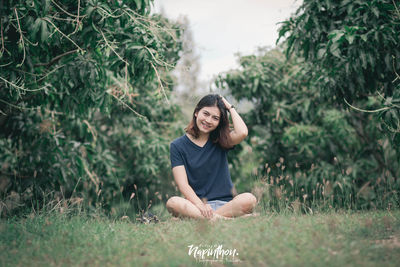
(208, 126)
(205, 125)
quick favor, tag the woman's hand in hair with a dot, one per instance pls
(226, 103)
(205, 210)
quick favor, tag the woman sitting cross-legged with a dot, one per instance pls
(200, 166)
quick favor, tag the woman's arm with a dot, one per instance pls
(181, 180)
(240, 130)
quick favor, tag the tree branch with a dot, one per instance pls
(63, 10)
(21, 37)
(2, 38)
(366, 111)
(63, 34)
(160, 82)
(55, 59)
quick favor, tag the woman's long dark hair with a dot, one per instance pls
(221, 134)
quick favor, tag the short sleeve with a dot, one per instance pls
(175, 155)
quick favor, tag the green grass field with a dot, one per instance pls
(335, 239)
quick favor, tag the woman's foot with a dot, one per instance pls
(217, 217)
(254, 214)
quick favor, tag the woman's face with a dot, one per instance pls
(207, 119)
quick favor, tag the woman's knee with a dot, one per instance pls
(248, 202)
(172, 201)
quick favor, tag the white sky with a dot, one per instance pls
(222, 28)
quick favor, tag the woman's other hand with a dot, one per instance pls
(205, 210)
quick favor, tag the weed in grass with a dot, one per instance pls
(280, 190)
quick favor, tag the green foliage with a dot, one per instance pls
(83, 105)
(306, 143)
(353, 40)
(354, 50)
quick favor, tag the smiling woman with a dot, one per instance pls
(200, 166)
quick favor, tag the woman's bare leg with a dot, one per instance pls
(181, 207)
(240, 205)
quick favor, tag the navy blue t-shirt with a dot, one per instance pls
(206, 168)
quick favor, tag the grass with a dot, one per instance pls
(332, 239)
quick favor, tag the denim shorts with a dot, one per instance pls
(216, 204)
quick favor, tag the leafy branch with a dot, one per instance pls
(160, 82)
(55, 59)
(2, 37)
(21, 38)
(22, 88)
(66, 12)
(63, 34)
(364, 110)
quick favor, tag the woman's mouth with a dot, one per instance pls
(205, 126)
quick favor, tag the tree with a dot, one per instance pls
(84, 102)
(353, 47)
(311, 150)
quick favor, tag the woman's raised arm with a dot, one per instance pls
(240, 130)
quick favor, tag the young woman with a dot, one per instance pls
(200, 167)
